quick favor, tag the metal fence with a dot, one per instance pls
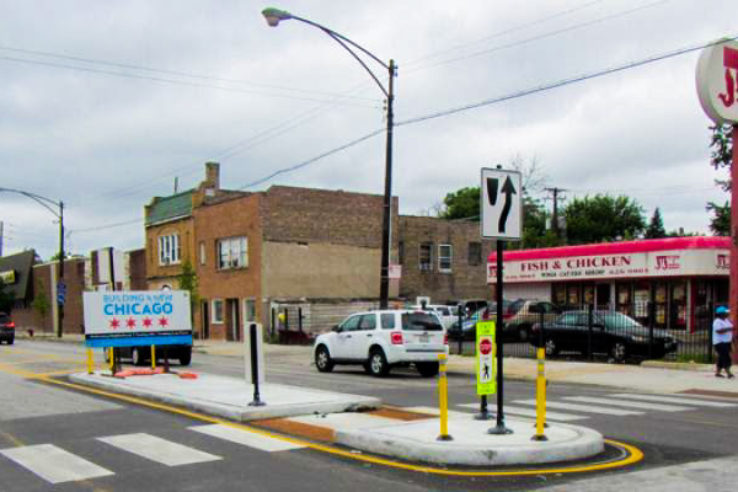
(588, 333)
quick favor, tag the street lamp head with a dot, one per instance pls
(273, 16)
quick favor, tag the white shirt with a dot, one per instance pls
(721, 337)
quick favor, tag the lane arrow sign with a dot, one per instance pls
(508, 190)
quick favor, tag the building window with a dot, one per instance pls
(217, 317)
(232, 253)
(475, 254)
(249, 310)
(169, 249)
(425, 257)
(202, 252)
(445, 253)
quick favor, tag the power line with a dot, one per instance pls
(176, 82)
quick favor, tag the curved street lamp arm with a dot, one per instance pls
(41, 200)
(340, 40)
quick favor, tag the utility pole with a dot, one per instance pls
(555, 219)
(1, 237)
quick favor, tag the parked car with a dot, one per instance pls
(523, 314)
(613, 333)
(447, 314)
(7, 329)
(471, 306)
(380, 340)
(141, 355)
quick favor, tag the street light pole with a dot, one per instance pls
(273, 17)
(45, 202)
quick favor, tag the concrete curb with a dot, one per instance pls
(334, 403)
(473, 446)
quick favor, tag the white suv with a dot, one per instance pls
(381, 339)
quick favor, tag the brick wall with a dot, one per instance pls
(157, 274)
(464, 281)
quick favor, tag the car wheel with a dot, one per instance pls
(185, 358)
(378, 366)
(427, 369)
(524, 333)
(137, 356)
(323, 360)
(619, 351)
(551, 347)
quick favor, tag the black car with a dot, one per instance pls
(140, 356)
(612, 333)
(7, 329)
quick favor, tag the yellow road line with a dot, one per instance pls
(634, 454)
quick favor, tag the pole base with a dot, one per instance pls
(444, 437)
(483, 416)
(257, 403)
(499, 430)
(539, 437)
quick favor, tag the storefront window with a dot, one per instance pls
(678, 305)
(573, 296)
(559, 295)
(641, 299)
(589, 295)
(623, 299)
(659, 299)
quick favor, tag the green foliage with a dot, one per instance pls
(56, 256)
(655, 227)
(6, 298)
(188, 281)
(462, 204)
(603, 218)
(720, 220)
(41, 303)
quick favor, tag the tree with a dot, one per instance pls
(603, 218)
(6, 298)
(41, 302)
(721, 144)
(720, 221)
(655, 227)
(462, 204)
(188, 281)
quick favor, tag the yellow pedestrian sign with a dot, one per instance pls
(486, 364)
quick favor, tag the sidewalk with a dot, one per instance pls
(650, 376)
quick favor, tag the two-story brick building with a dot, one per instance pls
(310, 255)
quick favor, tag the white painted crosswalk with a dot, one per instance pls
(640, 405)
(246, 438)
(583, 408)
(54, 464)
(531, 412)
(159, 450)
(57, 465)
(692, 402)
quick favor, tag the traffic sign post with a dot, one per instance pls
(502, 219)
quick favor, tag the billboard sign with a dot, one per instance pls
(131, 318)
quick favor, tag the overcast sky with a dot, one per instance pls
(104, 103)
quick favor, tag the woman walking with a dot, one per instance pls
(722, 337)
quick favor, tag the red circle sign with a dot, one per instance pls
(485, 346)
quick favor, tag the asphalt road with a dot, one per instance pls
(33, 413)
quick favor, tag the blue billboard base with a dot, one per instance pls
(139, 341)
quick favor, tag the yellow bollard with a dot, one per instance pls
(153, 356)
(111, 359)
(443, 398)
(90, 363)
(541, 397)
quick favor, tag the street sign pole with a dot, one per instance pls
(499, 428)
(502, 220)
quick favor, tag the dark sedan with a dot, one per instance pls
(612, 333)
(7, 329)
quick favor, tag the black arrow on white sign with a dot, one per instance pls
(509, 190)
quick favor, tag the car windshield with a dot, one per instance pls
(619, 320)
(420, 322)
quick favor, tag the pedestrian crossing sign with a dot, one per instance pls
(486, 363)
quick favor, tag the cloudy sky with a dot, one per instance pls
(105, 103)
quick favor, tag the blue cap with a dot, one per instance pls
(722, 310)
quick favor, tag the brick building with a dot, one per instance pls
(311, 255)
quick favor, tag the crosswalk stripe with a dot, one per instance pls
(673, 399)
(157, 449)
(54, 464)
(246, 438)
(531, 412)
(640, 405)
(582, 408)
